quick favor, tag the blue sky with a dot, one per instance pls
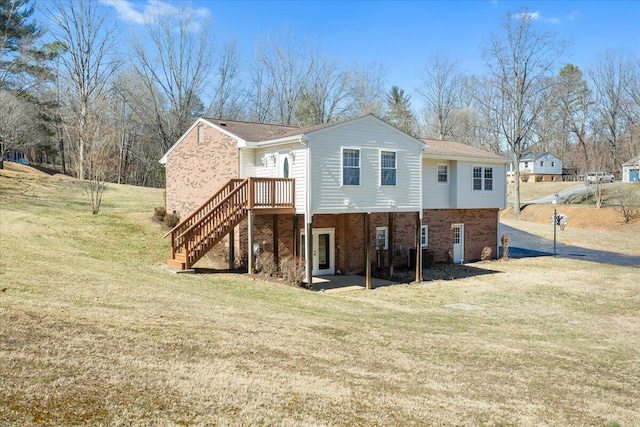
(402, 34)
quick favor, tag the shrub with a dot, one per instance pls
(159, 213)
(486, 253)
(525, 175)
(538, 178)
(266, 264)
(293, 271)
(505, 246)
(171, 220)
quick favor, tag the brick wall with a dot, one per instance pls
(480, 230)
(195, 170)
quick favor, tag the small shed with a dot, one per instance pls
(631, 170)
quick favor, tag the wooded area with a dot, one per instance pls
(83, 106)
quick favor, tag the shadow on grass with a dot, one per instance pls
(455, 271)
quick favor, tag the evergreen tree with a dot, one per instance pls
(399, 111)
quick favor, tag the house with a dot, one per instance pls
(365, 192)
(631, 170)
(541, 167)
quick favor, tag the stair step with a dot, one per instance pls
(178, 265)
(180, 257)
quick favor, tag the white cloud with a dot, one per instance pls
(152, 10)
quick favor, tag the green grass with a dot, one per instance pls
(94, 332)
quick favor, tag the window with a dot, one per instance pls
(200, 134)
(541, 163)
(482, 178)
(387, 168)
(526, 164)
(285, 168)
(382, 238)
(553, 164)
(424, 236)
(443, 174)
(350, 166)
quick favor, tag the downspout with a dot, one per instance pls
(308, 215)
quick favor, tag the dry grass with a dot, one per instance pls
(94, 332)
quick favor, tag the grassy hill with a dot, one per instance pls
(94, 332)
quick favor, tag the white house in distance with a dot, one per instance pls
(631, 170)
(541, 167)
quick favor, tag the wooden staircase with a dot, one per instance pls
(197, 234)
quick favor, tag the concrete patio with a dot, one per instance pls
(334, 284)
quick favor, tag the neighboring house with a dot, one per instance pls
(18, 155)
(540, 167)
(631, 170)
(359, 188)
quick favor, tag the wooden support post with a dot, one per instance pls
(367, 250)
(232, 249)
(296, 238)
(251, 258)
(390, 248)
(275, 240)
(418, 248)
(308, 242)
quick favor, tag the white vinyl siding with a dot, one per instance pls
(434, 196)
(388, 169)
(269, 162)
(247, 163)
(463, 196)
(369, 136)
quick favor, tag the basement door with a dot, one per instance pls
(323, 250)
(458, 243)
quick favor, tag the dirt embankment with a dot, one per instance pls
(607, 219)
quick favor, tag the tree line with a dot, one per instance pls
(104, 116)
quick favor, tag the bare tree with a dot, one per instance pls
(17, 123)
(230, 98)
(176, 72)
(608, 75)
(520, 60)
(88, 65)
(282, 66)
(366, 84)
(439, 88)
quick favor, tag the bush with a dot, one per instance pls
(159, 213)
(171, 220)
(486, 253)
(293, 271)
(266, 265)
(505, 246)
(524, 176)
(539, 178)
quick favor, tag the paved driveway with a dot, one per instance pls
(567, 194)
(523, 245)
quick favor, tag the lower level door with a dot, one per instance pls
(458, 243)
(323, 250)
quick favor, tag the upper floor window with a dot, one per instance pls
(350, 166)
(382, 238)
(200, 134)
(388, 168)
(553, 164)
(526, 164)
(541, 163)
(443, 174)
(482, 178)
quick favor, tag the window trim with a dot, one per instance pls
(342, 150)
(424, 236)
(395, 152)
(482, 168)
(386, 237)
(438, 173)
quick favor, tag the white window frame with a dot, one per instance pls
(424, 236)
(482, 168)
(395, 168)
(438, 173)
(200, 134)
(384, 230)
(342, 150)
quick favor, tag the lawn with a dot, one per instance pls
(94, 332)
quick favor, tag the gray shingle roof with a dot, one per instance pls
(258, 132)
(440, 148)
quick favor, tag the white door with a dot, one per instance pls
(458, 243)
(323, 250)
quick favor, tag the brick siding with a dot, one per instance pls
(195, 170)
